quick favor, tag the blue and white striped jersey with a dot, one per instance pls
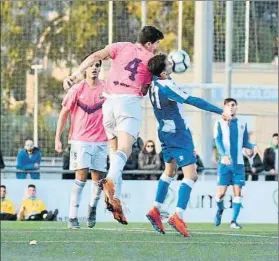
(230, 138)
(164, 96)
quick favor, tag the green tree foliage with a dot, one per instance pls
(164, 16)
(60, 34)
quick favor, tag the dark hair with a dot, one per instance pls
(275, 135)
(84, 73)
(228, 100)
(144, 150)
(3, 186)
(149, 34)
(31, 186)
(157, 64)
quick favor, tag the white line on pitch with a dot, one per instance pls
(140, 230)
(142, 242)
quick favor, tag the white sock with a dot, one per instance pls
(158, 205)
(179, 212)
(95, 194)
(118, 188)
(118, 160)
(75, 198)
(218, 199)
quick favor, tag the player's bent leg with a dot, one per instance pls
(118, 213)
(236, 207)
(79, 183)
(154, 215)
(125, 142)
(113, 183)
(108, 188)
(176, 221)
(119, 158)
(221, 191)
(94, 199)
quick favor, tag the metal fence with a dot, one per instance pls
(57, 173)
(57, 35)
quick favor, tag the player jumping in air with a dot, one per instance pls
(127, 81)
(230, 138)
(87, 138)
(176, 141)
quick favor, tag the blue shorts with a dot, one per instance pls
(231, 175)
(178, 146)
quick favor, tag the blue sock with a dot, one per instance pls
(162, 190)
(184, 193)
(236, 208)
(220, 204)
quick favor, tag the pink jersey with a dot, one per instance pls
(85, 107)
(128, 72)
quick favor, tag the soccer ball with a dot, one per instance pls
(181, 61)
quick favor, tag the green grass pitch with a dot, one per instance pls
(136, 242)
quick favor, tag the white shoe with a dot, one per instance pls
(235, 225)
(164, 214)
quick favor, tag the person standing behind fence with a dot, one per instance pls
(270, 159)
(2, 164)
(252, 163)
(88, 140)
(148, 158)
(66, 163)
(28, 158)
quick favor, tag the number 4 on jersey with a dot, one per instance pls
(133, 68)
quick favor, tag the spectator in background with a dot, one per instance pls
(253, 140)
(66, 163)
(162, 160)
(2, 164)
(270, 160)
(148, 158)
(275, 53)
(33, 209)
(7, 206)
(252, 163)
(28, 158)
(132, 162)
(200, 166)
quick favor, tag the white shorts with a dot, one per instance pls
(122, 114)
(92, 156)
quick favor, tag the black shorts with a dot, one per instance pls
(7, 216)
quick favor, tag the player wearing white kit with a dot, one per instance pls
(127, 81)
(87, 138)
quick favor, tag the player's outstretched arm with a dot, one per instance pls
(176, 94)
(61, 123)
(91, 59)
(203, 104)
